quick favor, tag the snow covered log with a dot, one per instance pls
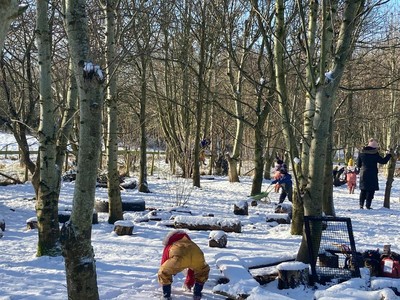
(132, 205)
(202, 223)
(240, 284)
(217, 239)
(123, 227)
(64, 216)
(279, 218)
(241, 208)
(292, 274)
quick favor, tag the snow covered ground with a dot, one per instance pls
(127, 265)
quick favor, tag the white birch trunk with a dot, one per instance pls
(76, 233)
(48, 181)
(114, 192)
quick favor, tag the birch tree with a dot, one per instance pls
(76, 233)
(114, 194)
(392, 137)
(48, 178)
(329, 78)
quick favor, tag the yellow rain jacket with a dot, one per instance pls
(180, 255)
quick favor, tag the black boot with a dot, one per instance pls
(166, 292)
(198, 287)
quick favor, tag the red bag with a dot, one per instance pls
(390, 267)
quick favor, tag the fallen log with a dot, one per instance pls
(209, 223)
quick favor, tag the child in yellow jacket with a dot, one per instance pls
(181, 253)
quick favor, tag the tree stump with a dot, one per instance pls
(242, 208)
(292, 274)
(217, 239)
(123, 227)
(253, 203)
(31, 223)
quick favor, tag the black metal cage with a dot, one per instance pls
(336, 257)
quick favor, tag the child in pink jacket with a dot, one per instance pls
(351, 178)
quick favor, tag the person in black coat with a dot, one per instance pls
(367, 162)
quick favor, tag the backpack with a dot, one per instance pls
(390, 265)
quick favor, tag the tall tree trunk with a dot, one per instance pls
(328, 207)
(201, 93)
(280, 71)
(76, 233)
(392, 139)
(309, 41)
(49, 181)
(285, 109)
(142, 185)
(328, 86)
(114, 193)
(237, 90)
(67, 122)
(259, 145)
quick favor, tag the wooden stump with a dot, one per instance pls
(242, 208)
(31, 223)
(217, 239)
(123, 227)
(292, 274)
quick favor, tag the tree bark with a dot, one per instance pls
(49, 181)
(76, 233)
(114, 193)
(392, 141)
(325, 96)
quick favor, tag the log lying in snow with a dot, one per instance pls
(240, 280)
(133, 205)
(64, 216)
(201, 223)
(279, 218)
